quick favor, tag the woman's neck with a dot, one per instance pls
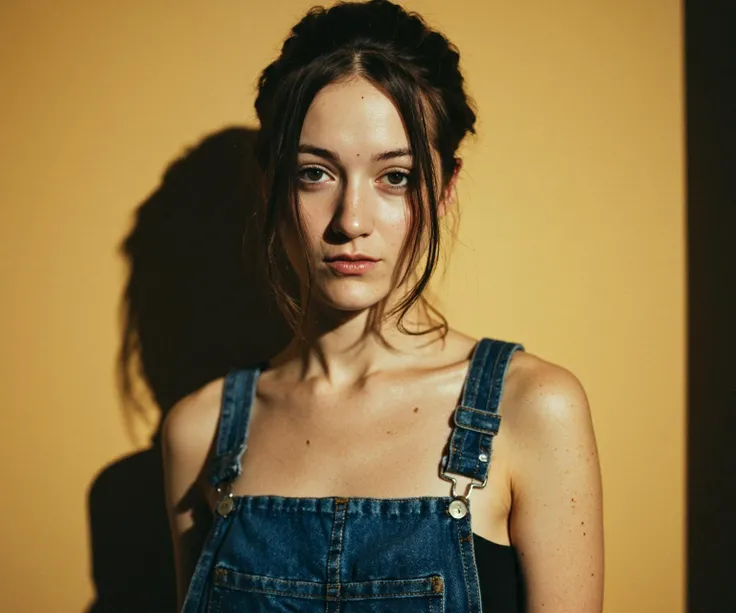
(339, 350)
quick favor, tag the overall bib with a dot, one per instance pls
(349, 555)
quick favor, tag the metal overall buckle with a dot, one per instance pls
(225, 502)
(458, 507)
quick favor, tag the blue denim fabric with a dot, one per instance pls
(348, 555)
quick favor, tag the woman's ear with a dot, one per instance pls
(449, 194)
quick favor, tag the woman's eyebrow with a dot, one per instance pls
(319, 152)
(334, 157)
(388, 155)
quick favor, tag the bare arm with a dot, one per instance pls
(187, 434)
(556, 518)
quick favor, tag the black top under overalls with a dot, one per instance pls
(358, 555)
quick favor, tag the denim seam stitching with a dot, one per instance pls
(462, 558)
(343, 520)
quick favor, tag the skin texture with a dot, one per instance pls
(345, 415)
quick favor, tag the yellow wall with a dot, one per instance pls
(572, 239)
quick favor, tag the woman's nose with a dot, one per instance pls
(354, 215)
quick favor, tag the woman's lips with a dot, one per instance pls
(352, 267)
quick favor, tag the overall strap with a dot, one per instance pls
(232, 429)
(476, 420)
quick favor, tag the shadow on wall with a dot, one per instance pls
(195, 305)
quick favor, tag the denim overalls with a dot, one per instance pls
(349, 555)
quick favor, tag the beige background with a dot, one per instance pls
(571, 241)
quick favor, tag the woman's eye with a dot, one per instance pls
(312, 175)
(397, 179)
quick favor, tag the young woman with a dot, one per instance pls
(339, 475)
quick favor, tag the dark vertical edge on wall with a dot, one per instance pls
(710, 76)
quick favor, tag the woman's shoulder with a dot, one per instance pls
(535, 389)
(538, 391)
(546, 414)
(189, 427)
(537, 377)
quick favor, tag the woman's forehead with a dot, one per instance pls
(354, 118)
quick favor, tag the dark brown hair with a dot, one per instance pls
(415, 66)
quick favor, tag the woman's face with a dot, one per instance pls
(354, 168)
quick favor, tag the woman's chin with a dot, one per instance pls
(350, 301)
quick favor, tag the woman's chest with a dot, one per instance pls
(350, 447)
(384, 442)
